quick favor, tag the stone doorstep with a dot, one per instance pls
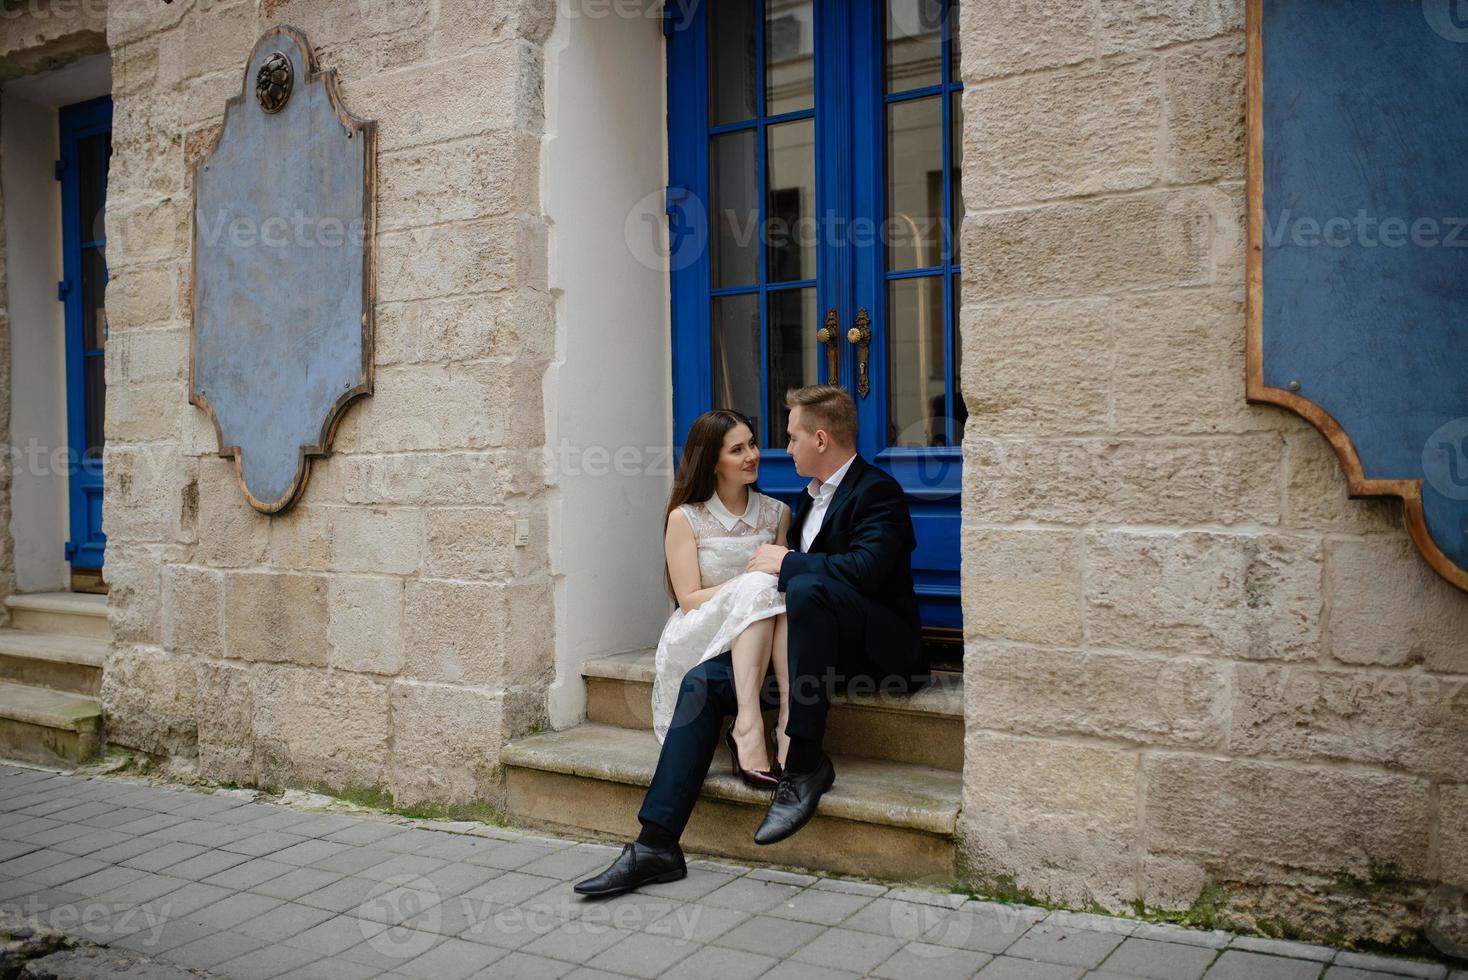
(53, 728)
(883, 818)
(53, 660)
(924, 728)
(50, 709)
(943, 697)
(69, 613)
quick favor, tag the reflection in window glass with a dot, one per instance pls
(914, 225)
(955, 73)
(917, 375)
(736, 367)
(960, 408)
(791, 175)
(955, 177)
(92, 153)
(731, 62)
(792, 353)
(789, 56)
(733, 196)
(914, 44)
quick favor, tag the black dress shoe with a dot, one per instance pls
(637, 865)
(794, 800)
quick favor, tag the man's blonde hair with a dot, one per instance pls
(828, 407)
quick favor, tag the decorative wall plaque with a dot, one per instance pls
(1358, 247)
(281, 338)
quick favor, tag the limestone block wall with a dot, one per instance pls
(385, 632)
(1196, 671)
(40, 35)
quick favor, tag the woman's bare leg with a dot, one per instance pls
(779, 659)
(751, 655)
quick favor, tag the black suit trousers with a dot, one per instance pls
(829, 624)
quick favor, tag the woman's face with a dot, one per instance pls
(739, 459)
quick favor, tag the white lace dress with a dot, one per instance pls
(690, 638)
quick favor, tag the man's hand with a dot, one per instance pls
(767, 559)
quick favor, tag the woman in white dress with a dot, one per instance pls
(715, 520)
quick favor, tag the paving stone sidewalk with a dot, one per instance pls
(228, 885)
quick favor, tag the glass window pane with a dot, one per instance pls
(955, 176)
(94, 285)
(914, 44)
(955, 47)
(736, 372)
(92, 153)
(914, 184)
(793, 353)
(790, 56)
(791, 208)
(960, 409)
(96, 404)
(917, 374)
(732, 71)
(734, 197)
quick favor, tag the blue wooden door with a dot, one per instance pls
(814, 183)
(86, 144)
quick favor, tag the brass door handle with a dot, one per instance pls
(830, 336)
(861, 335)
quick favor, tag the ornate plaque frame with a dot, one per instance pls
(281, 344)
(1319, 369)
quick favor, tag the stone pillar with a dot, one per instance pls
(1195, 671)
(385, 634)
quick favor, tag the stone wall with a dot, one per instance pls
(39, 35)
(1196, 671)
(385, 633)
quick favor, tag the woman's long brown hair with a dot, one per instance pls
(696, 480)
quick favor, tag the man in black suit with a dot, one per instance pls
(853, 622)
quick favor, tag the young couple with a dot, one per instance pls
(817, 601)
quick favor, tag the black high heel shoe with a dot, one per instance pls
(758, 778)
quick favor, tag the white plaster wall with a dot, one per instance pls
(28, 151)
(609, 388)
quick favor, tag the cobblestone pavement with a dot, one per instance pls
(232, 886)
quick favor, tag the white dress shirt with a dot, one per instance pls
(821, 494)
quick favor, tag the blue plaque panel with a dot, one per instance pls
(1358, 258)
(281, 340)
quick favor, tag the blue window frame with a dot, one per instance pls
(882, 108)
(86, 144)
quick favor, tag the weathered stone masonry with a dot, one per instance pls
(1195, 671)
(1193, 667)
(384, 633)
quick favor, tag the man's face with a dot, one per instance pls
(804, 447)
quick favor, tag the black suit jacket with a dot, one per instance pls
(865, 542)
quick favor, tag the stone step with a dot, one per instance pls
(54, 660)
(69, 613)
(880, 819)
(53, 728)
(924, 728)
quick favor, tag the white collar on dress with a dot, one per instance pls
(724, 517)
(817, 489)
